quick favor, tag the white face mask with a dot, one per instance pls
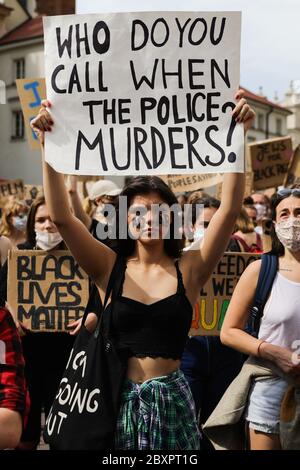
(259, 230)
(288, 232)
(48, 240)
(20, 222)
(261, 211)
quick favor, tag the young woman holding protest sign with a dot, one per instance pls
(152, 311)
(277, 345)
(45, 354)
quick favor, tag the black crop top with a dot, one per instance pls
(156, 330)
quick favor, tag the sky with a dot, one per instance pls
(270, 56)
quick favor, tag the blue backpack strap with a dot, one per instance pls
(268, 271)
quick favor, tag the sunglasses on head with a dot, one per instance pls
(286, 192)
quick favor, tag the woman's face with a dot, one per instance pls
(288, 207)
(19, 219)
(149, 218)
(43, 222)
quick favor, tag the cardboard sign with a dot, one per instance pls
(215, 296)
(248, 183)
(293, 175)
(181, 183)
(143, 93)
(32, 192)
(10, 188)
(248, 186)
(31, 92)
(84, 184)
(46, 291)
(270, 161)
(266, 235)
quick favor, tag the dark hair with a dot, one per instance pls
(30, 232)
(248, 201)
(142, 185)
(277, 246)
(206, 202)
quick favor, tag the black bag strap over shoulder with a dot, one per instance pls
(110, 287)
(267, 274)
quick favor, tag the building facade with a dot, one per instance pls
(271, 118)
(292, 102)
(22, 56)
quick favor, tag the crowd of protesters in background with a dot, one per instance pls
(34, 362)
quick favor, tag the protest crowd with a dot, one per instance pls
(161, 315)
(210, 364)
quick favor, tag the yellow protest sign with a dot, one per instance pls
(210, 310)
(31, 92)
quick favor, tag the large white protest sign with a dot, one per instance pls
(143, 93)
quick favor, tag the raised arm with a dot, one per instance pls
(232, 333)
(77, 206)
(218, 233)
(93, 256)
(5, 246)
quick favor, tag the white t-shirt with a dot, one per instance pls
(280, 323)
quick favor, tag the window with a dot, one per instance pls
(260, 119)
(19, 68)
(17, 125)
(279, 126)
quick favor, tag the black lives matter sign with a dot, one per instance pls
(46, 291)
(147, 92)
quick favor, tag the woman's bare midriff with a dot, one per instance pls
(142, 369)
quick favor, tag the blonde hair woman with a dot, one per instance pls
(13, 222)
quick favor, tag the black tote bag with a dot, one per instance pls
(85, 410)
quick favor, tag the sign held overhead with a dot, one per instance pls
(147, 92)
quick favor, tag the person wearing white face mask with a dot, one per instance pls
(279, 332)
(45, 354)
(261, 205)
(13, 222)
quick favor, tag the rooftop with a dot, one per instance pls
(30, 29)
(264, 101)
